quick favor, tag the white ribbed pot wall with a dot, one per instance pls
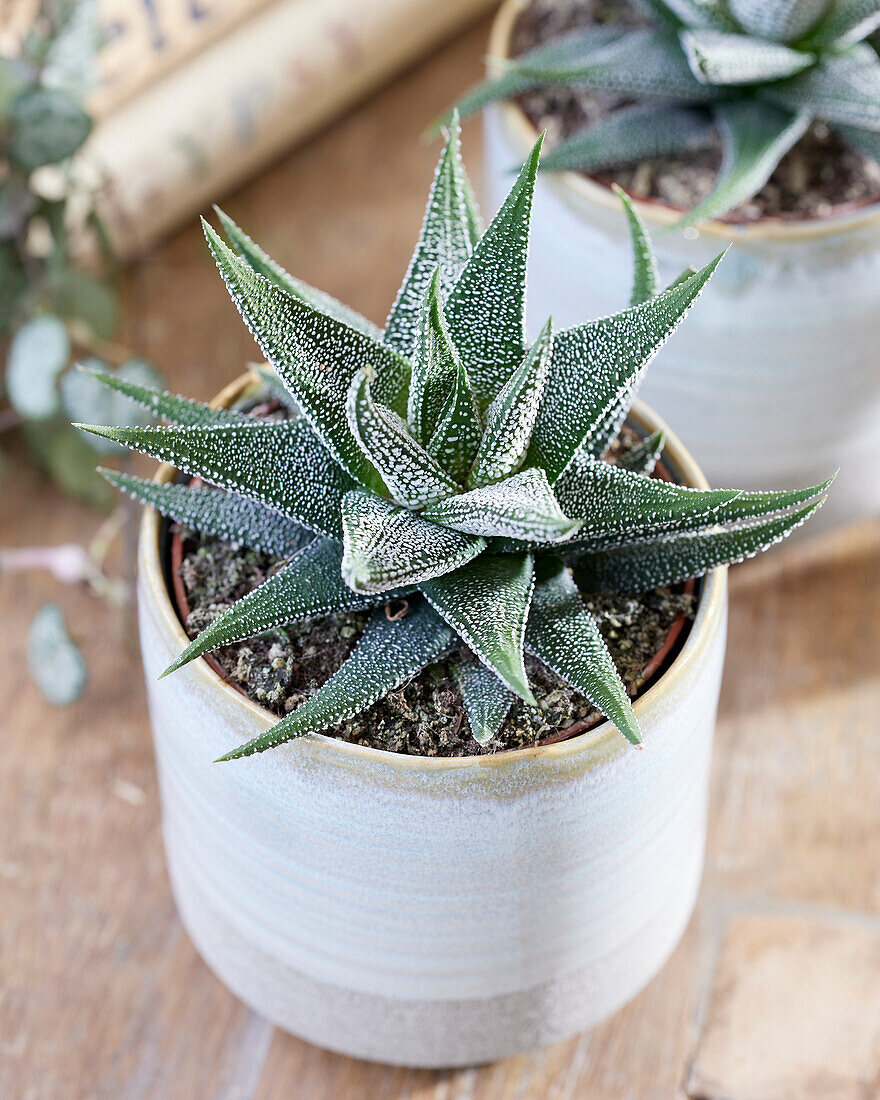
(774, 380)
(432, 912)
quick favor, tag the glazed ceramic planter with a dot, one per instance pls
(426, 911)
(774, 380)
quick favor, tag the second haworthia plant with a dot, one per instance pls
(759, 70)
(445, 462)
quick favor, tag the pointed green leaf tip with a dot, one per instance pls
(445, 461)
(487, 602)
(486, 307)
(564, 635)
(646, 276)
(486, 699)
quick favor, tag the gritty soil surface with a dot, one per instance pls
(424, 717)
(820, 174)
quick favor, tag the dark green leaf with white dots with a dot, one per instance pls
(310, 585)
(512, 415)
(487, 603)
(486, 699)
(387, 655)
(315, 355)
(636, 567)
(264, 265)
(228, 516)
(387, 547)
(595, 369)
(445, 243)
(564, 635)
(485, 309)
(283, 465)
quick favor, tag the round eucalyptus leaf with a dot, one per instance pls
(37, 355)
(88, 402)
(68, 460)
(48, 126)
(77, 294)
(13, 286)
(13, 76)
(70, 58)
(16, 205)
(54, 662)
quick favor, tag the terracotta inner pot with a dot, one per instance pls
(652, 668)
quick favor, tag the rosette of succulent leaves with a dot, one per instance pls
(445, 462)
(760, 71)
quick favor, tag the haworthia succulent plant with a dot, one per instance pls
(446, 462)
(761, 70)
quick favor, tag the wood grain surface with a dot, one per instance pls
(101, 992)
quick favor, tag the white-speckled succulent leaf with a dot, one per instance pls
(315, 355)
(487, 603)
(779, 20)
(449, 232)
(486, 699)
(215, 512)
(739, 508)
(702, 13)
(564, 635)
(646, 277)
(309, 586)
(719, 58)
(264, 265)
(610, 500)
(434, 366)
(636, 567)
(755, 137)
(387, 655)
(561, 51)
(631, 135)
(411, 475)
(521, 507)
(844, 88)
(284, 465)
(459, 429)
(643, 457)
(389, 547)
(644, 63)
(485, 309)
(847, 21)
(595, 369)
(512, 415)
(177, 410)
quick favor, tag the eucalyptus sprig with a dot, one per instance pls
(446, 461)
(52, 310)
(758, 71)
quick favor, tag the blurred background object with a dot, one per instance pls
(190, 97)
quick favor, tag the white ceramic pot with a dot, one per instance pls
(432, 912)
(774, 379)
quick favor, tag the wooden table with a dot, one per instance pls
(772, 995)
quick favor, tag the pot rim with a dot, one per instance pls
(572, 184)
(710, 607)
